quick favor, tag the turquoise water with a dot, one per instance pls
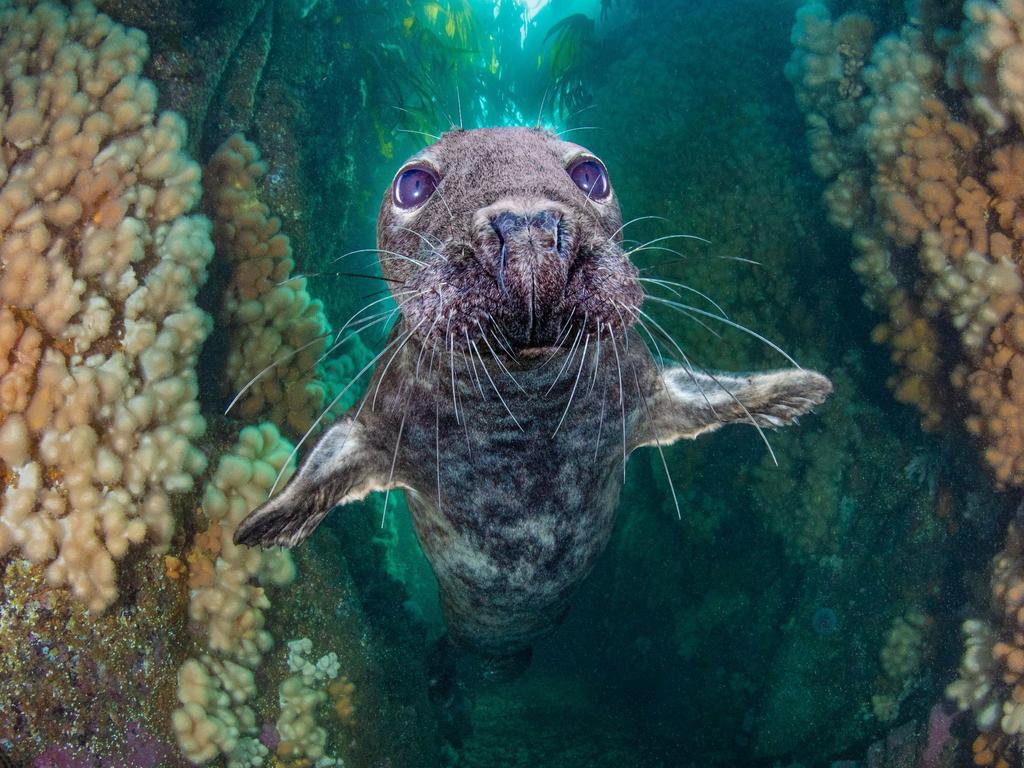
(791, 603)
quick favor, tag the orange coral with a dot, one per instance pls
(341, 691)
(988, 750)
(915, 352)
(940, 237)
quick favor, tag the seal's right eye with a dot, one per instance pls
(413, 186)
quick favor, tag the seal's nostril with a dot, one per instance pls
(507, 224)
(545, 224)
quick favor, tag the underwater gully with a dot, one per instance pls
(264, 281)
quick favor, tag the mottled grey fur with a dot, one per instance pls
(522, 289)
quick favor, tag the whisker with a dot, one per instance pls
(560, 338)
(706, 255)
(433, 248)
(476, 375)
(600, 423)
(597, 360)
(402, 257)
(580, 111)
(333, 403)
(690, 316)
(419, 133)
(583, 361)
(410, 292)
(341, 341)
(448, 336)
(568, 359)
(278, 361)
(437, 444)
(497, 359)
(579, 128)
(633, 221)
(336, 274)
(663, 238)
(731, 324)
(622, 397)
(670, 284)
(458, 98)
(544, 98)
(394, 460)
(495, 388)
(502, 339)
(657, 441)
(380, 380)
(358, 251)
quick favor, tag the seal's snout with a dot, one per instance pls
(528, 246)
(541, 231)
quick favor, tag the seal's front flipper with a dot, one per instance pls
(341, 468)
(691, 403)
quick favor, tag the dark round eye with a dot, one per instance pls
(413, 187)
(591, 177)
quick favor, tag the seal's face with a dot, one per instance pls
(507, 234)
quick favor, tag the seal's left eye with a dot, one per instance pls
(591, 177)
(413, 187)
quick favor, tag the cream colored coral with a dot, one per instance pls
(900, 77)
(214, 718)
(825, 71)
(300, 695)
(232, 607)
(99, 267)
(901, 655)
(989, 64)
(215, 690)
(276, 330)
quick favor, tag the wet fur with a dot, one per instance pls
(513, 497)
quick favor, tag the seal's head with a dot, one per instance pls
(509, 232)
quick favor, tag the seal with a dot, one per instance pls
(515, 384)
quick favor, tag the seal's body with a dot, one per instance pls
(515, 386)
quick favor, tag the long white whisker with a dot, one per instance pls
(394, 355)
(419, 133)
(437, 446)
(583, 361)
(663, 238)
(273, 363)
(670, 283)
(394, 460)
(600, 423)
(579, 128)
(657, 441)
(622, 398)
(495, 388)
(597, 360)
(568, 359)
(476, 375)
(633, 221)
(497, 359)
(326, 410)
(731, 324)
